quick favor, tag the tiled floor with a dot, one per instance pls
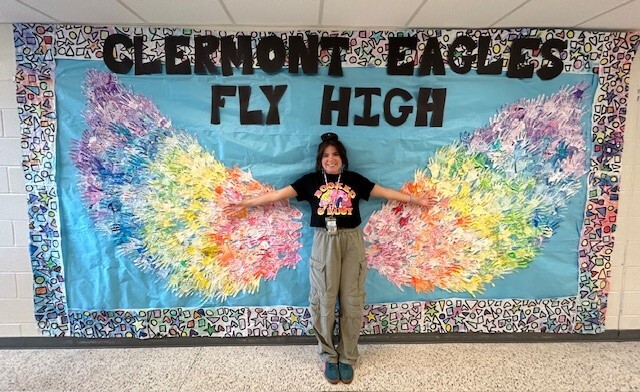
(548, 367)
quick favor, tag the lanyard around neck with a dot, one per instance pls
(325, 177)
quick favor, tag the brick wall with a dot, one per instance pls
(624, 300)
(16, 298)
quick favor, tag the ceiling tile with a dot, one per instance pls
(554, 13)
(462, 13)
(274, 12)
(12, 11)
(85, 11)
(368, 13)
(626, 17)
(586, 14)
(183, 13)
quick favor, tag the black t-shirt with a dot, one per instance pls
(341, 200)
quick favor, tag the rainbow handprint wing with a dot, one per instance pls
(159, 195)
(500, 192)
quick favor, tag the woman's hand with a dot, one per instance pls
(424, 200)
(236, 209)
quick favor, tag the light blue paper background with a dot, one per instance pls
(97, 278)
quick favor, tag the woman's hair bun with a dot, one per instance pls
(328, 136)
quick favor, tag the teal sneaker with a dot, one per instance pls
(331, 372)
(346, 372)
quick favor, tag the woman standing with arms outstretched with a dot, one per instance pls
(337, 265)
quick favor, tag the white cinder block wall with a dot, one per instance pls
(16, 298)
(624, 299)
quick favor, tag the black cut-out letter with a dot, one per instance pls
(396, 55)
(217, 102)
(172, 53)
(517, 66)
(121, 66)
(431, 58)
(205, 45)
(404, 110)
(273, 94)
(436, 106)
(266, 46)
(555, 63)
(248, 117)
(484, 47)
(367, 118)
(142, 68)
(467, 60)
(309, 55)
(341, 106)
(240, 55)
(335, 44)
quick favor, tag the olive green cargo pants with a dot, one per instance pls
(337, 272)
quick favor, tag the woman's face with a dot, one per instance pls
(331, 161)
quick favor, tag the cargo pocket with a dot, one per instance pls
(362, 277)
(317, 276)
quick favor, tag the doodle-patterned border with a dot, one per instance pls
(609, 54)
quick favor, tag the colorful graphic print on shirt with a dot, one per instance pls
(335, 199)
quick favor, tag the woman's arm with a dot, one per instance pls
(269, 197)
(392, 194)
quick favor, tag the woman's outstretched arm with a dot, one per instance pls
(270, 197)
(392, 194)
